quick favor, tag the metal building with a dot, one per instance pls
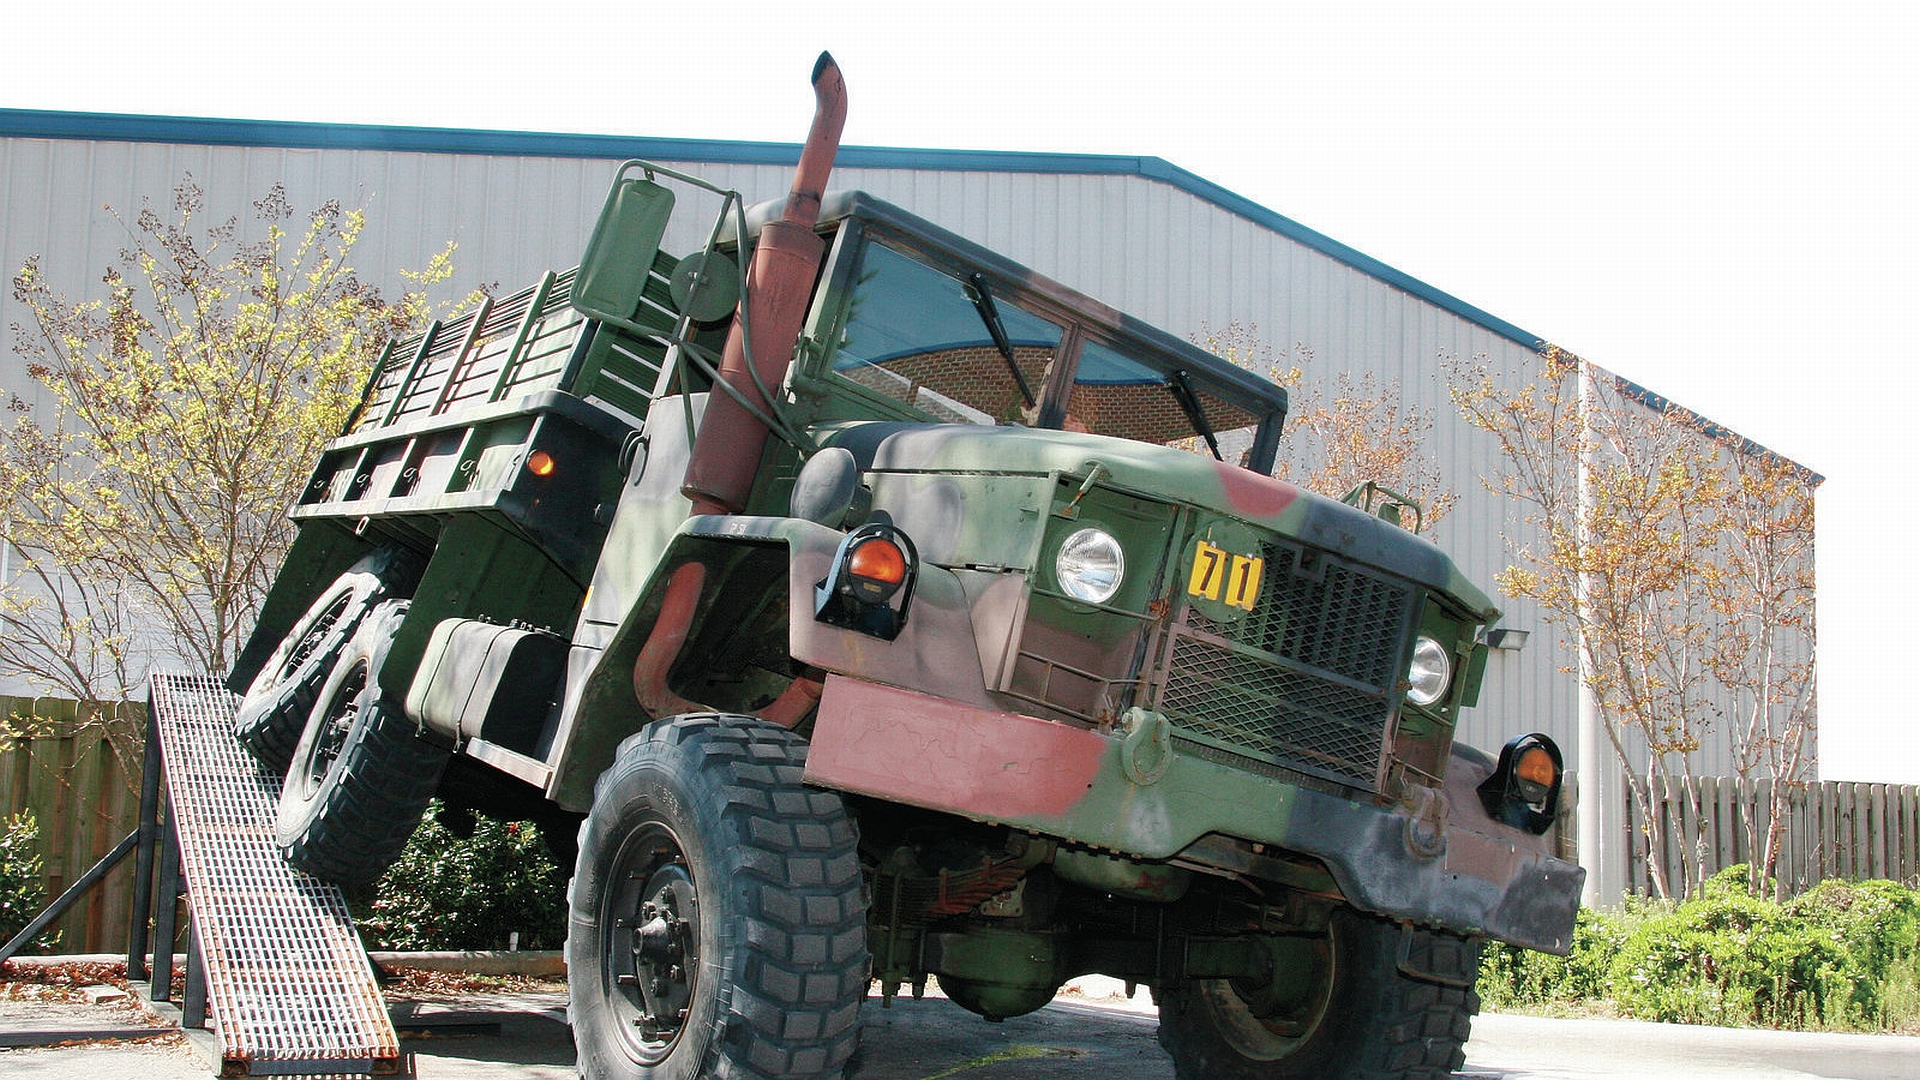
(1135, 232)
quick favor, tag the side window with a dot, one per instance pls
(920, 336)
(1116, 395)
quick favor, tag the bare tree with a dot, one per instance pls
(1762, 591)
(1362, 431)
(187, 406)
(1652, 544)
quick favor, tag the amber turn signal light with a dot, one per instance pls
(1536, 767)
(1524, 789)
(878, 561)
(870, 584)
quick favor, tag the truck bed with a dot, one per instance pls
(452, 414)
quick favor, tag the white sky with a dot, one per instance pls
(1715, 200)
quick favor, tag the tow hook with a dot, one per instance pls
(1426, 821)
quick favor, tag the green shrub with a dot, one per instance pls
(446, 892)
(23, 881)
(1845, 955)
(1516, 978)
(1729, 958)
(1877, 925)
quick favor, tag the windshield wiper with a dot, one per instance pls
(1182, 388)
(982, 298)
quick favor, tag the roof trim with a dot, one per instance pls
(1665, 406)
(202, 131)
(129, 127)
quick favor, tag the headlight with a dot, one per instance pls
(1090, 565)
(1428, 675)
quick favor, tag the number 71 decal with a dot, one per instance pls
(1222, 576)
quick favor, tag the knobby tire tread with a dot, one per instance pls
(273, 712)
(793, 1008)
(374, 795)
(385, 780)
(1387, 1025)
(272, 715)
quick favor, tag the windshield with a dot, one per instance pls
(1115, 395)
(918, 336)
(946, 344)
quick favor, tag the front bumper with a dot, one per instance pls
(1476, 877)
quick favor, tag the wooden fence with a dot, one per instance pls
(78, 771)
(1834, 829)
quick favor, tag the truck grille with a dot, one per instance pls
(1307, 680)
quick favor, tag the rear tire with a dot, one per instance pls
(716, 924)
(273, 712)
(362, 775)
(1368, 1020)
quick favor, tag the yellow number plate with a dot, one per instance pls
(1221, 576)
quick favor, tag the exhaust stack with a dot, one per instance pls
(726, 455)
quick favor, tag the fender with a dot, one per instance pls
(929, 655)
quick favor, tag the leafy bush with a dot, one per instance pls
(1877, 925)
(1845, 955)
(1515, 978)
(1727, 957)
(23, 882)
(446, 892)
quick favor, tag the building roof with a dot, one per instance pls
(208, 131)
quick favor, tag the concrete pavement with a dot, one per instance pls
(524, 1037)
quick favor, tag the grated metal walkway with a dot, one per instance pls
(290, 986)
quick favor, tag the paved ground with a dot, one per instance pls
(1108, 1039)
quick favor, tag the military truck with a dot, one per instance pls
(855, 604)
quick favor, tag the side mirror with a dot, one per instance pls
(620, 254)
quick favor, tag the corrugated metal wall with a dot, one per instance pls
(1147, 247)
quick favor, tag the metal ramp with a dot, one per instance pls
(288, 983)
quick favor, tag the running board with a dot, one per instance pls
(289, 985)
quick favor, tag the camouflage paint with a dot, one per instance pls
(932, 651)
(932, 453)
(1071, 784)
(1026, 770)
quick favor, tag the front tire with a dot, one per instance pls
(716, 925)
(1366, 1019)
(362, 775)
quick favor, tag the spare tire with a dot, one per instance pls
(275, 706)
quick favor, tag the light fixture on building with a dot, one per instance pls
(1507, 639)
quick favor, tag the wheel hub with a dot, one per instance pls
(338, 721)
(653, 955)
(1267, 1017)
